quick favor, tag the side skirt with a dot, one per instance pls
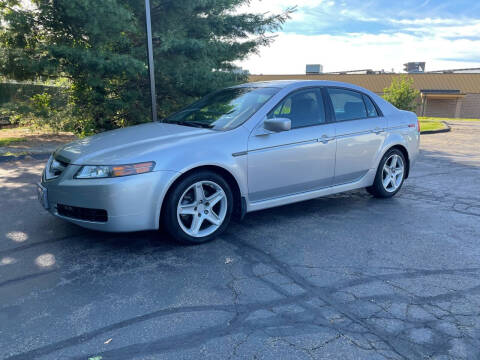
(365, 181)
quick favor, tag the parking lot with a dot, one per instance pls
(341, 277)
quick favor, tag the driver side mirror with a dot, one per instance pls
(277, 124)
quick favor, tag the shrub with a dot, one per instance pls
(402, 94)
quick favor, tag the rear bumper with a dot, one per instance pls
(132, 203)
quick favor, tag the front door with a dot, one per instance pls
(295, 161)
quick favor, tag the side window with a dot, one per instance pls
(371, 110)
(347, 105)
(303, 108)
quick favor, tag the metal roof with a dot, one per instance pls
(466, 83)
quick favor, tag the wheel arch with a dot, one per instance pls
(238, 200)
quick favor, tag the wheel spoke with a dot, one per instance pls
(393, 163)
(188, 209)
(399, 172)
(386, 182)
(197, 222)
(213, 218)
(215, 198)
(393, 182)
(199, 193)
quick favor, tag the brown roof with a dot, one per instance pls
(466, 83)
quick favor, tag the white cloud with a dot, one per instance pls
(425, 21)
(400, 40)
(290, 52)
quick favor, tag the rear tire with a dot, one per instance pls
(390, 175)
(198, 208)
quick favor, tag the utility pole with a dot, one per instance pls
(151, 66)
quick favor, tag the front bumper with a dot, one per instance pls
(132, 202)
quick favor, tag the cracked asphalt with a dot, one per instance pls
(341, 277)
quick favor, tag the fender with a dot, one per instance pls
(233, 169)
(393, 139)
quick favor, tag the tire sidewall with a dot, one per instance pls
(170, 217)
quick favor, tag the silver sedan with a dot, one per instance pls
(240, 149)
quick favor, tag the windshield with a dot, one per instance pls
(223, 110)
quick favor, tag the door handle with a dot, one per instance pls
(325, 139)
(378, 130)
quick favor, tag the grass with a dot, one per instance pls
(427, 125)
(6, 141)
(15, 154)
(444, 119)
(434, 123)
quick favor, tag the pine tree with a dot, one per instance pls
(100, 46)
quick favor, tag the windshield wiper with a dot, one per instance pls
(191, 123)
(197, 124)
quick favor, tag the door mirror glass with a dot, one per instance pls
(277, 124)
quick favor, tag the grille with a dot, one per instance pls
(79, 213)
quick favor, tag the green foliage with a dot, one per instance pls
(402, 94)
(13, 92)
(100, 47)
(44, 113)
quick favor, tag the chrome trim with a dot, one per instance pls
(312, 141)
(343, 136)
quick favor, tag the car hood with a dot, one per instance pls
(127, 145)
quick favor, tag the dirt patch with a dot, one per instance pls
(33, 141)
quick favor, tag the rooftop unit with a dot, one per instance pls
(312, 69)
(414, 67)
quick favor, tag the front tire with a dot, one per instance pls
(390, 175)
(198, 208)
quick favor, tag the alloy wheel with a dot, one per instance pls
(393, 172)
(202, 209)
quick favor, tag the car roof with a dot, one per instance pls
(298, 83)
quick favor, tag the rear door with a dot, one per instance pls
(360, 133)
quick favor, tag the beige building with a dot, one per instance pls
(453, 95)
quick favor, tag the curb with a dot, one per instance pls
(39, 156)
(431, 132)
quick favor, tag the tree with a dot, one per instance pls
(100, 46)
(402, 94)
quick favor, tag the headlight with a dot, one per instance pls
(104, 171)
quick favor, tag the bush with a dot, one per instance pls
(402, 94)
(42, 111)
(45, 113)
(13, 112)
(19, 92)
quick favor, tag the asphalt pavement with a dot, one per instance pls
(341, 277)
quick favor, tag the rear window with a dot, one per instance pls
(347, 105)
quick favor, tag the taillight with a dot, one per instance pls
(413, 125)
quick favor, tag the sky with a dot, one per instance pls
(370, 34)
